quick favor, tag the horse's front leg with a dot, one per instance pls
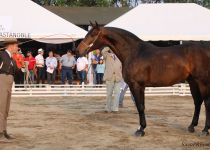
(138, 93)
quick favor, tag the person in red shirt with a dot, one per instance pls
(30, 66)
(19, 74)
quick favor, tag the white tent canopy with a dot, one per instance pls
(154, 22)
(26, 19)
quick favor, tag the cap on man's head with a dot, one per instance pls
(9, 41)
(40, 50)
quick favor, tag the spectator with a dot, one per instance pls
(124, 88)
(31, 63)
(82, 68)
(40, 66)
(19, 75)
(100, 68)
(68, 63)
(113, 78)
(58, 71)
(95, 60)
(51, 63)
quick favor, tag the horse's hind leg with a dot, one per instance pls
(205, 131)
(198, 100)
(205, 92)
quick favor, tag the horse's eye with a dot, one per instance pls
(92, 35)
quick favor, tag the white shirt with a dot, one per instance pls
(81, 63)
(39, 60)
(51, 62)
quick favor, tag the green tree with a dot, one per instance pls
(93, 3)
(107, 3)
(206, 3)
(89, 3)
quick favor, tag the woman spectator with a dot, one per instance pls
(100, 68)
(51, 63)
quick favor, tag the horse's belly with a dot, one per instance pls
(168, 76)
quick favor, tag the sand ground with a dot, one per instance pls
(79, 123)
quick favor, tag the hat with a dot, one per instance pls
(40, 50)
(9, 41)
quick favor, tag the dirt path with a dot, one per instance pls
(78, 123)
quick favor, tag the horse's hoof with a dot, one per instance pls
(191, 129)
(204, 133)
(140, 133)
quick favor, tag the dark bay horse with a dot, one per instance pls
(146, 65)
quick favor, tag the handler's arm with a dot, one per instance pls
(105, 52)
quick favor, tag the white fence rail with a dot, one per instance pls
(91, 90)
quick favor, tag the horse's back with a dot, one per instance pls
(163, 66)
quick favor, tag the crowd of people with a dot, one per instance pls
(55, 68)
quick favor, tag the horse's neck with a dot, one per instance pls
(122, 46)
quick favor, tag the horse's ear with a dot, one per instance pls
(92, 25)
(96, 24)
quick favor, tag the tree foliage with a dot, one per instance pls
(116, 3)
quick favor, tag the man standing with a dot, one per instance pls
(51, 63)
(7, 69)
(40, 66)
(113, 78)
(68, 63)
(82, 68)
(19, 74)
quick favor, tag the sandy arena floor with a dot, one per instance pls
(79, 123)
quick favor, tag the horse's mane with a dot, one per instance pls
(129, 35)
(124, 32)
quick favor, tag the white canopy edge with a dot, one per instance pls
(25, 19)
(166, 21)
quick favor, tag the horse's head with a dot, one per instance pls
(92, 41)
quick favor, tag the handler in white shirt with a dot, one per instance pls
(40, 66)
(82, 68)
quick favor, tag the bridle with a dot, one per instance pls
(90, 45)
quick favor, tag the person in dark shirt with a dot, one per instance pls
(95, 60)
(7, 70)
